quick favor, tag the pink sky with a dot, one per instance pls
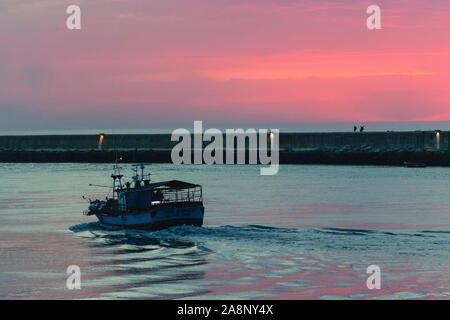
(160, 62)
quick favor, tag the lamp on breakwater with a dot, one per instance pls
(100, 141)
(438, 139)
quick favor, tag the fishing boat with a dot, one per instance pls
(141, 204)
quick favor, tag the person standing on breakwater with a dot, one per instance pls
(361, 129)
(355, 128)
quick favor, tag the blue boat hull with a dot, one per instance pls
(154, 219)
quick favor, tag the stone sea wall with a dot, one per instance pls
(372, 148)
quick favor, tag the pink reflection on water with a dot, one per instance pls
(309, 278)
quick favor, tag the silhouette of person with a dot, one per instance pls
(362, 129)
(157, 195)
(355, 128)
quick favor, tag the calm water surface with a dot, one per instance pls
(310, 232)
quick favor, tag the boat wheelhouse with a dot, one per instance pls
(141, 204)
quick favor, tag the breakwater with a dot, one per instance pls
(371, 148)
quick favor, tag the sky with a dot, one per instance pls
(150, 63)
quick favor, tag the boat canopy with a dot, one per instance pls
(173, 184)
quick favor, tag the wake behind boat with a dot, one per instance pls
(143, 205)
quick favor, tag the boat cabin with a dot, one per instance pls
(144, 195)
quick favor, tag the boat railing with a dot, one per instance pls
(180, 195)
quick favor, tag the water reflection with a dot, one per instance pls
(128, 261)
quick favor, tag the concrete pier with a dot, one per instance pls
(372, 148)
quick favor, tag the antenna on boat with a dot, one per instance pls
(142, 167)
(98, 185)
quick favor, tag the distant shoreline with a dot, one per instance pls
(310, 127)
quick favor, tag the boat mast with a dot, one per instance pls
(116, 175)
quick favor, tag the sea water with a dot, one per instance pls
(309, 232)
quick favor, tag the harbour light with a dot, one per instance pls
(100, 141)
(438, 140)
